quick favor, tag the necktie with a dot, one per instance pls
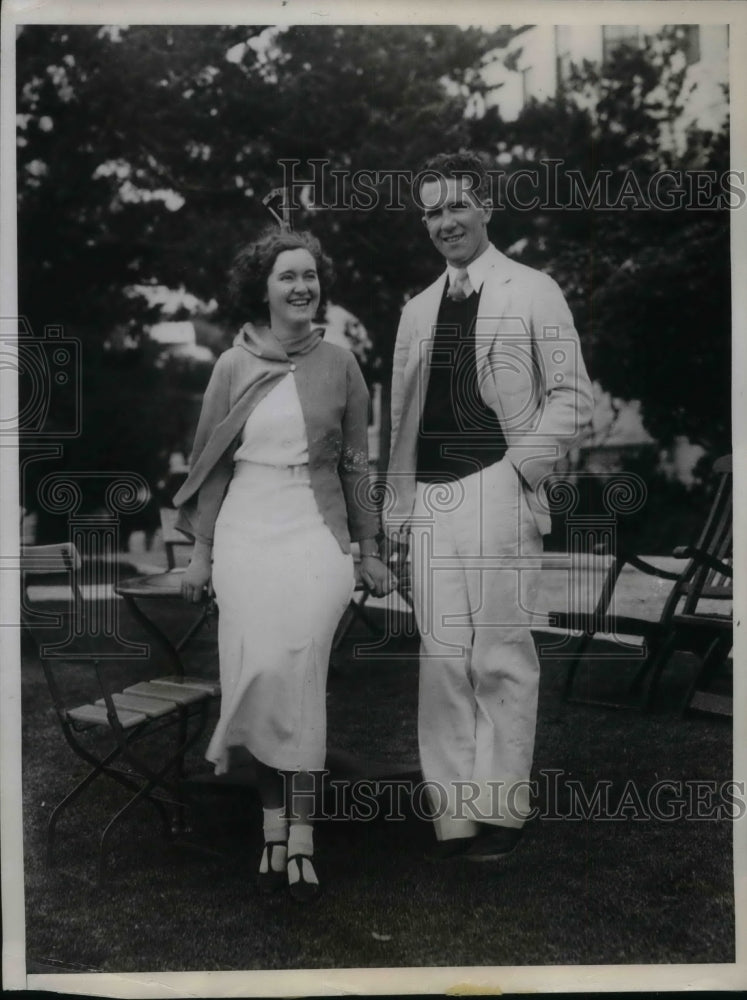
(460, 287)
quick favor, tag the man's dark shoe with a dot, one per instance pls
(497, 842)
(445, 850)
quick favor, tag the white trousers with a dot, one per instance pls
(476, 553)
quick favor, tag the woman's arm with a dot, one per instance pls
(199, 507)
(197, 575)
(357, 483)
(363, 517)
(198, 512)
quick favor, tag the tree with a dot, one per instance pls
(649, 286)
(163, 188)
(143, 155)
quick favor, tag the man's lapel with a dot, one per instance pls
(415, 379)
(417, 367)
(493, 299)
(493, 316)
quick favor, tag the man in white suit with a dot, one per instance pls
(488, 390)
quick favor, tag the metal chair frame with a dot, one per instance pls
(682, 623)
(126, 717)
(172, 538)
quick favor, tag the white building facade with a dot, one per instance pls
(538, 60)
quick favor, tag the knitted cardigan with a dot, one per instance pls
(334, 402)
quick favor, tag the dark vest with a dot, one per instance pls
(459, 434)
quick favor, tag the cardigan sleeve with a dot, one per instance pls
(355, 476)
(196, 519)
(198, 508)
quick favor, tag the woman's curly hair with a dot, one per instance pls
(253, 264)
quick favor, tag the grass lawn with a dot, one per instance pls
(575, 892)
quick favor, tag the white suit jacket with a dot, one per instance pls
(530, 372)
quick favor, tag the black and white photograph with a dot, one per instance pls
(370, 420)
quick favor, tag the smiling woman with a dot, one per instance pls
(275, 495)
(292, 291)
(253, 266)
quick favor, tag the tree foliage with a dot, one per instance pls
(143, 156)
(649, 285)
(144, 153)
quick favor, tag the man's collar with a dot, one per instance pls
(477, 269)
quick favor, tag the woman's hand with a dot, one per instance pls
(196, 579)
(376, 576)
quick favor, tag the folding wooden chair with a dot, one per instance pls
(689, 623)
(684, 622)
(118, 730)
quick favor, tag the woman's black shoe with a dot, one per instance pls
(271, 880)
(301, 890)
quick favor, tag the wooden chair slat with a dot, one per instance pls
(168, 692)
(96, 715)
(211, 688)
(153, 708)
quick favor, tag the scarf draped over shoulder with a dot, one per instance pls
(242, 377)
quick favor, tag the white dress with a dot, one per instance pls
(282, 583)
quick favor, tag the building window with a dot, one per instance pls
(691, 43)
(527, 83)
(562, 69)
(562, 54)
(616, 35)
(687, 38)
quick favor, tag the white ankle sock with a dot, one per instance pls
(305, 866)
(301, 841)
(274, 824)
(275, 828)
(275, 857)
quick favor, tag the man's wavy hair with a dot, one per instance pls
(253, 264)
(458, 165)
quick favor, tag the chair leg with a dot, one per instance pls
(99, 768)
(653, 647)
(655, 667)
(181, 823)
(141, 773)
(355, 609)
(156, 779)
(574, 664)
(143, 793)
(715, 655)
(345, 622)
(200, 621)
(103, 765)
(361, 613)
